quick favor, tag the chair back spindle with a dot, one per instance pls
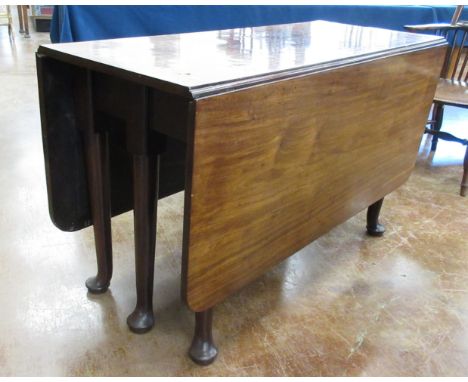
(455, 66)
(457, 14)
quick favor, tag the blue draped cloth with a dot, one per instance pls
(95, 22)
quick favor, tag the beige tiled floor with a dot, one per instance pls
(345, 305)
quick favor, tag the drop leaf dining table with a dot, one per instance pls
(277, 134)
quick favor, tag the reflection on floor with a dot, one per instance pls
(347, 304)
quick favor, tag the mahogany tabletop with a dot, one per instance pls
(203, 63)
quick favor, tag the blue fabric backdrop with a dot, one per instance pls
(93, 22)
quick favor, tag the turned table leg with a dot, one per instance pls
(145, 178)
(99, 192)
(203, 351)
(374, 228)
(145, 147)
(97, 163)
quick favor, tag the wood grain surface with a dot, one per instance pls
(202, 63)
(276, 166)
(451, 92)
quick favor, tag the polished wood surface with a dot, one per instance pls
(262, 54)
(306, 317)
(429, 27)
(286, 130)
(198, 64)
(277, 166)
(451, 92)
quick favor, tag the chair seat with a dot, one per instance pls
(452, 92)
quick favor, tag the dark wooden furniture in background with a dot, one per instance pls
(276, 140)
(452, 87)
(41, 16)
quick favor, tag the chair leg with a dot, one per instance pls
(464, 183)
(438, 114)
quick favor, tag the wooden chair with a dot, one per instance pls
(452, 88)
